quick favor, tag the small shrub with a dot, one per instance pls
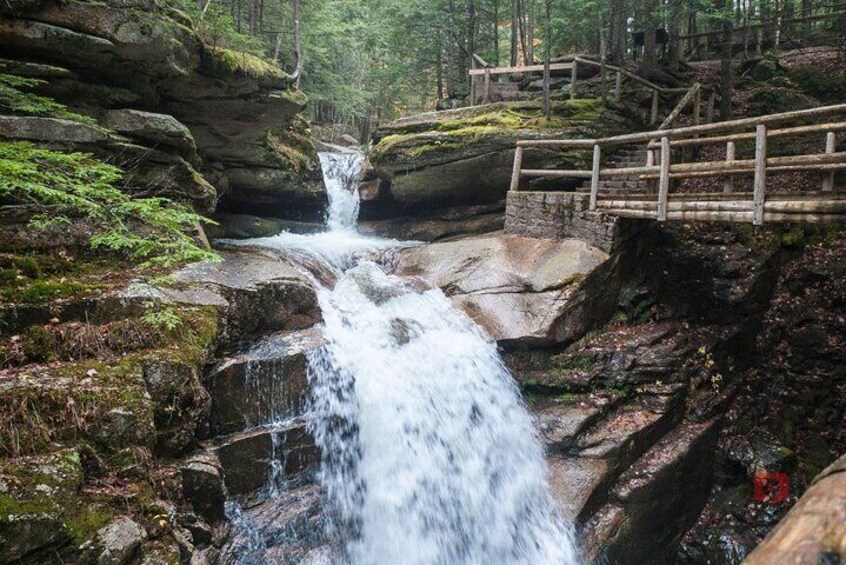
(63, 186)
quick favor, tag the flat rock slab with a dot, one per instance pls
(257, 292)
(519, 289)
(246, 457)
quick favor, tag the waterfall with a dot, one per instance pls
(429, 454)
(340, 174)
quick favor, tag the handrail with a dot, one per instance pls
(687, 130)
(481, 69)
(825, 163)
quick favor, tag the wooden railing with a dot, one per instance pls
(480, 68)
(727, 205)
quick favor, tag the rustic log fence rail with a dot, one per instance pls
(756, 207)
(480, 68)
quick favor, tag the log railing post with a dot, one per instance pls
(594, 177)
(728, 183)
(697, 107)
(650, 162)
(653, 119)
(574, 79)
(709, 113)
(828, 178)
(760, 183)
(515, 172)
(472, 82)
(664, 180)
(487, 86)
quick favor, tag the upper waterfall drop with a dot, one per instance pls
(340, 174)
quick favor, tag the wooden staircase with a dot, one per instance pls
(626, 156)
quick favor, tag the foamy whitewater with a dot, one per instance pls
(429, 454)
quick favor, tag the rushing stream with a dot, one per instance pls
(429, 454)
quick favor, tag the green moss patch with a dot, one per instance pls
(449, 132)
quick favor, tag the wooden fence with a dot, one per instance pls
(481, 69)
(724, 204)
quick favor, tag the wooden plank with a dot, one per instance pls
(691, 94)
(487, 98)
(594, 179)
(760, 182)
(728, 183)
(526, 69)
(515, 171)
(664, 181)
(557, 143)
(828, 178)
(786, 207)
(626, 72)
(556, 174)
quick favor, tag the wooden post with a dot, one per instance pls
(650, 162)
(574, 79)
(618, 88)
(487, 86)
(728, 183)
(828, 178)
(602, 68)
(709, 114)
(760, 183)
(594, 177)
(654, 116)
(515, 172)
(473, 85)
(697, 107)
(664, 181)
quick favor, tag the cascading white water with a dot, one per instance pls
(340, 174)
(429, 454)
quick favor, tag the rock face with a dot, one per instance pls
(171, 105)
(464, 157)
(520, 290)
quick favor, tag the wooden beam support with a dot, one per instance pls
(664, 181)
(515, 172)
(487, 98)
(594, 179)
(828, 178)
(728, 183)
(760, 182)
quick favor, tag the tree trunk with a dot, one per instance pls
(650, 55)
(295, 4)
(726, 73)
(674, 32)
(496, 31)
(617, 30)
(515, 25)
(547, 50)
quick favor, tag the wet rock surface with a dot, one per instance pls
(520, 290)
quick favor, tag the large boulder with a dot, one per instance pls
(520, 290)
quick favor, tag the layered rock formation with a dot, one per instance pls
(179, 115)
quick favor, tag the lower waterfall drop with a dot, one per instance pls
(429, 455)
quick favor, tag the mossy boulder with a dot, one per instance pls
(41, 506)
(465, 156)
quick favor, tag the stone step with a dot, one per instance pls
(266, 384)
(246, 457)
